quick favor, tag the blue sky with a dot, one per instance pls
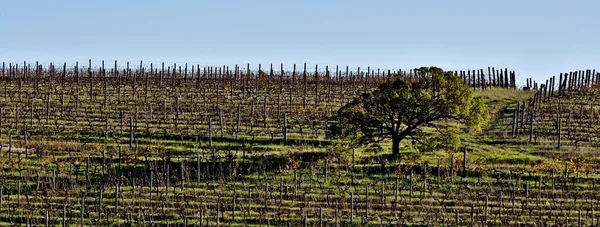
(536, 38)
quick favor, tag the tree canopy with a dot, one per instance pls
(404, 106)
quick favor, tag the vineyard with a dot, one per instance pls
(240, 146)
(565, 114)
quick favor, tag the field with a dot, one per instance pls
(172, 145)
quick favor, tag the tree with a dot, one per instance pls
(405, 105)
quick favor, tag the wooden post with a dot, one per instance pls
(353, 157)
(316, 85)
(91, 80)
(558, 122)
(483, 81)
(500, 202)
(26, 141)
(500, 78)
(457, 218)
(506, 78)
(221, 123)
(304, 78)
(513, 82)
(121, 115)
(269, 80)
(553, 185)
(291, 89)
(10, 145)
(64, 218)
(560, 84)
(521, 121)
(4, 72)
(494, 79)
(351, 207)
(1, 118)
(130, 133)
(210, 132)
(237, 129)
(593, 213)
(514, 124)
(469, 81)
(396, 190)
(182, 167)
(320, 216)
(285, 138)
(579, 218)
(82, 211)
(485, 211)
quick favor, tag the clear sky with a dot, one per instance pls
(536, 38)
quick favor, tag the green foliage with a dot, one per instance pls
(447, 138)
(401, 108)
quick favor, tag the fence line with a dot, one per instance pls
(562, 110)
(480, 78)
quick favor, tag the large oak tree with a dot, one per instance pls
(404, 106)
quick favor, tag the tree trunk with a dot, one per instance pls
(396, 146)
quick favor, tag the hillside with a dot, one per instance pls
(247, 148)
